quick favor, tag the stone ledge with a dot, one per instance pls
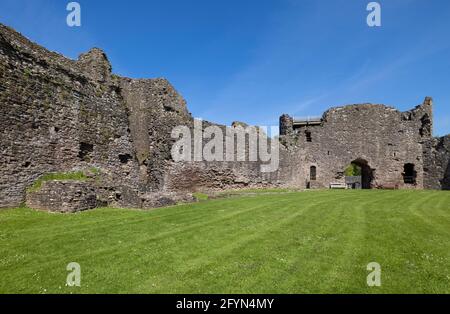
(71, 196)
(63, 196)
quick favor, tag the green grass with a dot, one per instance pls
(248, 192)
(306, 242)
(75, 175)
(201, 196)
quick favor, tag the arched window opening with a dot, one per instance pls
(313, 173)
(308, 136)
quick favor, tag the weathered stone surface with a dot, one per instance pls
(381, 138)
(96, 65)
(63, 196)
(56, 118)
(161, 199)
(154, 109)
(437, 163)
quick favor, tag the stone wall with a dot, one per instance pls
(437, 163)
(62, 115)
(230, 174)
(63, 197)
(379, 138)
(154, 108)
(55, 117)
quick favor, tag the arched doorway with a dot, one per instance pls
(366, 173)
(409, 174)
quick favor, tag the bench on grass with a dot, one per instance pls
(338, 185)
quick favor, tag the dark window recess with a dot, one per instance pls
(313, 173)
(409, 174)
(169, 108)
(125, 158)
(308, 136)
(85, 150)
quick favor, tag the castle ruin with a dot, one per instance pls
(61, 115)
(393, 149)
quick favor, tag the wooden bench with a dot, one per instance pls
(338, 185)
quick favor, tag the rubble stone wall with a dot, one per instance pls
(437, 163)
(63, 197)
(60, 115)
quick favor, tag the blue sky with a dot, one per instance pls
(252, 60)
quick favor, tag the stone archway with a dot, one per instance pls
(366, 173)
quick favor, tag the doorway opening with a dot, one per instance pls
(409, 174)
(360, 168)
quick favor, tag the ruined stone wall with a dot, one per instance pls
(60, 115)
(155, 108)
(437, 163)
(382, 137)
(227, 174)
(63, 196)
(55, 117)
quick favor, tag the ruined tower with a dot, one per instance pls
(394, 149)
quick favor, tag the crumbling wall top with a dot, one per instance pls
(95, 63)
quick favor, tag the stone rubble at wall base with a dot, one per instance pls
(70, 196)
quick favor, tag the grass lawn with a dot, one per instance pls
(294, 242)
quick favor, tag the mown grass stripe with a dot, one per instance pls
(318, 241)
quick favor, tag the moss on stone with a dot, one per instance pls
(74, 175)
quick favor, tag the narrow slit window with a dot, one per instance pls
(313, 173)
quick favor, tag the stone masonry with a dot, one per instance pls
(385, 142)
(63, 196)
